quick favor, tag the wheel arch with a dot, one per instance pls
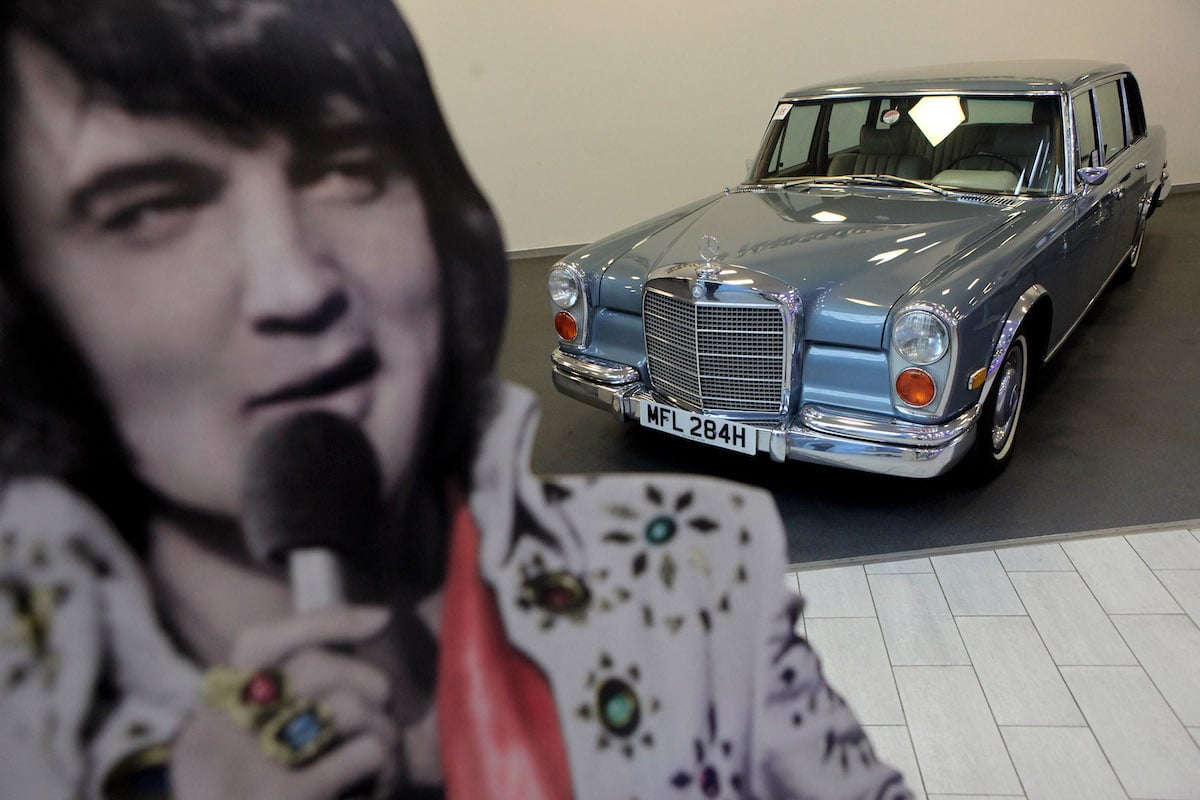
(1035, 310)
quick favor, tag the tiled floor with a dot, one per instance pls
(1067, 669)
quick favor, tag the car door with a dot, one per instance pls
(1088, 250)
(1126, 181)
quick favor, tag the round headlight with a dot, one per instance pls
(920, 337)
(565, 286)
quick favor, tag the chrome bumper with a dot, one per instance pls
(817, 435)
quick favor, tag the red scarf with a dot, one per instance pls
(497, 723)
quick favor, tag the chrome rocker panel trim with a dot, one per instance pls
(818, 435)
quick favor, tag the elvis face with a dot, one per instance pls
(214, 285)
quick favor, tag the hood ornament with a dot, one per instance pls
(710, 248)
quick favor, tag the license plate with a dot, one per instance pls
(700, 427)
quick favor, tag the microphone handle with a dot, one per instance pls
(315, 575)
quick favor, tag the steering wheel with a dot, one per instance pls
(1015, 167)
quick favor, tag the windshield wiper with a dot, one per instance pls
(893, 180)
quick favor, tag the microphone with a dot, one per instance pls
(310, 497)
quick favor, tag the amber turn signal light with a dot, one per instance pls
(915, 387)
(565, 327)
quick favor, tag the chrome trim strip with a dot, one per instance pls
(1008, 332)
(885, 92)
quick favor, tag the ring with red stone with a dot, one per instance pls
(248, 697)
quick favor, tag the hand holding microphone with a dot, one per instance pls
(311, 495)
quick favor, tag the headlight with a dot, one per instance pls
(920, 337)
(565, 285)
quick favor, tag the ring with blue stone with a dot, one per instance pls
(297, 733)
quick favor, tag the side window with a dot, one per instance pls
(795, 143)
(845, 122)
(1133, 101)
(1112, 119)
(1085, 130)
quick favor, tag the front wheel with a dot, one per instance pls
(997, 426)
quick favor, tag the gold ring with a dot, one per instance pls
(290, 730)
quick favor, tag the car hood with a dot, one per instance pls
(849, 253)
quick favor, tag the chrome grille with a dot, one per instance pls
(716, 356)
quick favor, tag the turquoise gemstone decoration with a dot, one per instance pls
(620, 710)
(301, 730)
(660, 530)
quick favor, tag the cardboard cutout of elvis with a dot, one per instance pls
(266, 524)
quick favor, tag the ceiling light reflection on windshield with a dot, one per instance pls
(911, 237)
(937, 117)
(829, 216)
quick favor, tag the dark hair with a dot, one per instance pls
(249, 67)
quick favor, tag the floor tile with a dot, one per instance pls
(954, 736)
(1061, 764)
(836, 592)
(1118, 577)
(1073, 626)
(893, 746)
(976, 797)
(856, 664)
(976, 584)
(1184, 586)
(1168, 646)
(1167, 549)
(1020, 680)
(902, 566)
(916, 622)
(1151, 753)
(1035, 558)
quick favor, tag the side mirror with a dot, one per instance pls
(1092, 176)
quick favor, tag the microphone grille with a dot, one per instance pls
(311, 479)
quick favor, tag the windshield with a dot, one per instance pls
(1010, 145)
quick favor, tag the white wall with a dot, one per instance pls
(579, 117)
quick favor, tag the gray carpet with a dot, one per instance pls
(1110, 435)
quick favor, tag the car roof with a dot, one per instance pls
(1046, 75)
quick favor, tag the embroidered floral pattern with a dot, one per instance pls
(31, 608)
(715, 771)
(618, 706)
(666, 536)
